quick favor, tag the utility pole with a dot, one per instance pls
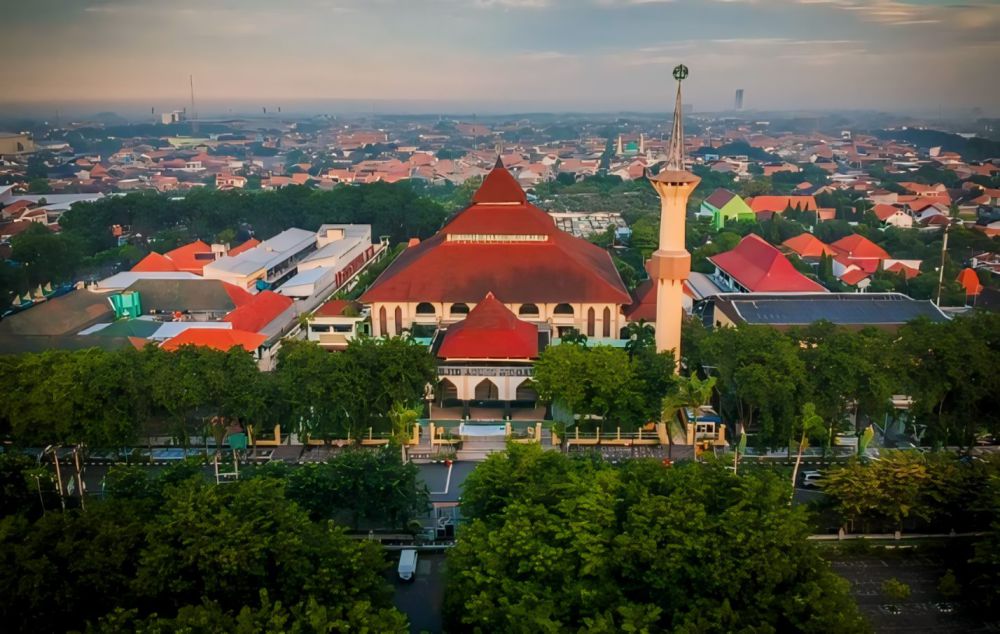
(79, 476)
(944, 252)
(59, 482)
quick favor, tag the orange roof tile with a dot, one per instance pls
(215, 338)
(254, 315)
(855, 247)
(191, 257)
(908, 272)
(246, 246)
(808, 246)
(970, 282)
(852, 277)
(780, 203)
(155, 263)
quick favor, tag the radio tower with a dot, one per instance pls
(194, 115)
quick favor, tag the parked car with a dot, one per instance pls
(811, 478)
(407, 564)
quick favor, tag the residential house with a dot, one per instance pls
(723, 205)
(755, 266)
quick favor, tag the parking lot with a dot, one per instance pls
(925, 611)
(421, 598)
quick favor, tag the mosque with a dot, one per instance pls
(500, 282)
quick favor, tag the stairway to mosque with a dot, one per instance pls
(480, 448)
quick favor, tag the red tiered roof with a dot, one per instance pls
(761, 268)
(490, 331)
(215, 338)
(501, 243)
(254, 315)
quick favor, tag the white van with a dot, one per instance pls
(407, 564)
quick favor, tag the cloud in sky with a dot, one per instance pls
(558, 54)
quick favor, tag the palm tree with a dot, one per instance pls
(696, 393)
(811, 424)
(403, 418)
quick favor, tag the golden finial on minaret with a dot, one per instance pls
(670, 264)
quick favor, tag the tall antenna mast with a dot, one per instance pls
(194, 115)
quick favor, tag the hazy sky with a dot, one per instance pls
(507, 54)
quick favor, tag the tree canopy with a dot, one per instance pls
(108, 398)
(239, 557)
(562, 544)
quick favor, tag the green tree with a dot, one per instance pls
(895, 590)
(761, 378)
(556, 543)
(810, 425)
(39, 186)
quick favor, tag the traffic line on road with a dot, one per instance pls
(447, 482)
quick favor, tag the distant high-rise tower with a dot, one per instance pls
(670, 264)
(194, 113)
(739, 99)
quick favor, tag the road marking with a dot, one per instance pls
(447, 482)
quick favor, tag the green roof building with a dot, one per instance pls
(723, 205)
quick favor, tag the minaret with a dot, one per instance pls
(671, 263)
(618, 147)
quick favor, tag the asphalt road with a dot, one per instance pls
(421, 598)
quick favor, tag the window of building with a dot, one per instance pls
(448, 391)
(487, 390)
(383, 322)
(563, 309)
(526, 392)
(528, 310)
(399, 320)
(425, 308)
(591, 319)
(607, 323)
(460, 309)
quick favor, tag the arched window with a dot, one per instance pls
(563, 309)
(590, 322)
(459, 309)
(449, 392)
(383, 323)
(607, 323)
(399, 321)
(526, 392)
(487, 390)
(425, 308)
(528, 310)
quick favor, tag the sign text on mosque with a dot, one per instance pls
(483, 371)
